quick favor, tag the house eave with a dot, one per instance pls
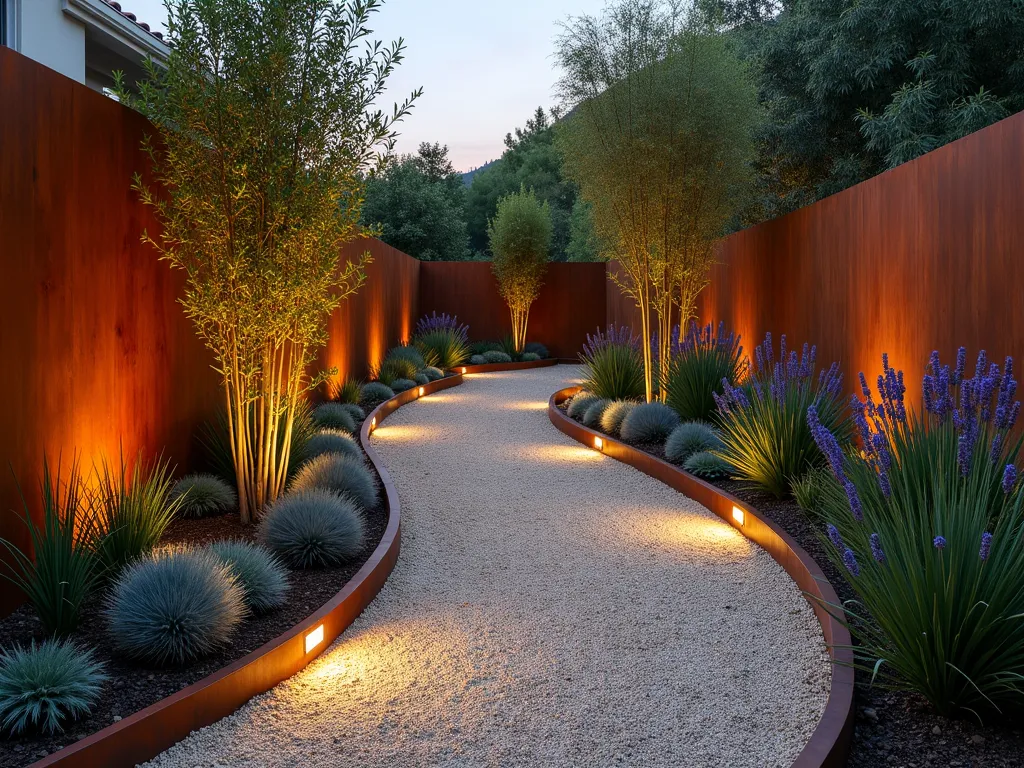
(97, 15)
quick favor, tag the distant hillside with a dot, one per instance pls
(467, 177)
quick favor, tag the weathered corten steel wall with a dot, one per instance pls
(571, 302)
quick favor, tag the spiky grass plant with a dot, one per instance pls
(479, 347)
(809, 488)
(393, 369)
(406, 352)
(477, 360)
(59, 569)
(333, 416)
(649, 423)
(764, 427)
(926, 524)
(536, 348)
(174, 607)
(611, 418)
(579, 403)
(708, 466)
(592, 416)
(496, 356)
(690, 438)
(203, 495)
(529, 357)
(341, 475)
(374, 393)
(433, 373)
(613, 365)
(260, 574)
(133, 509)
(347, 391)
(698, 365)
(401, 385)
(443, 348)
(356, 412)
(44, 686)
(313, 529)
(332, 441)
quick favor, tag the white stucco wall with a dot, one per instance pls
(50, 37)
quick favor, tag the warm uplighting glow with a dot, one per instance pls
(598, 443)
(373, 423)
(463, 369)
(422, 391)
(314, 638)
(737, 515)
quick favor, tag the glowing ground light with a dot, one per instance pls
(314, 638)
(737, 515)
(463, 370)
(373, 423)
(422, 391)
(598, 443)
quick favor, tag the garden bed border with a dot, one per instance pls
(829, 745)
(495, 367)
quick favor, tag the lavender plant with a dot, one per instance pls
(696, 368)
(613, 364)
(764, 427)
(926, 524)
(434, 322)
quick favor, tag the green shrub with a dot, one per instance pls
(708, 466)
(445, 349)
(536, 348)
(346, 392)
(203, 496)
(649, 423)
(926, 525)
(357, 413)
(59, 569)
(764, 425)
(339, 474)
(613, 365)
(313, 529)
(809, 488)
(133, 511)
(393, 369)
(374, 393)
(495, 356)
(592, 416)
(579, 403)
(696, 370)
(433, 373)
(332, 441)
(174, 607)
(477, 360)
(333, 416)
(45, 685)
(690, 438)
(529, 357)
(421, 378)
(617, 410)
(261, 576)
(479, 347)
(400, 385)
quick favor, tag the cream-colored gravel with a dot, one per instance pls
(551, 607)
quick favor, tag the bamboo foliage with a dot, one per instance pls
(658, 138)
(265, 126)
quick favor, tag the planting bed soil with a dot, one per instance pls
(892, 728)
(133, 686)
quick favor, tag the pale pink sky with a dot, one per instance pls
(484, 65)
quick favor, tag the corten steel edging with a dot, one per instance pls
(148, 732)
(495, 367)
(829, 745)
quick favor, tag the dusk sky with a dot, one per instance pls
(484, 65)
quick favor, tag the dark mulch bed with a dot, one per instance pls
(892, 728)
(133, 686)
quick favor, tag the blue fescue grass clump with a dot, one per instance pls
(332, 441)
(174, 607)
(926, 524)
(44, 686)
(203, 496)
(374, 393)
(611, 418)
(613, 364)
(764, 424)
(535, 348)
(496, 356)
(649, 423)
(708, 466)
(58, 570)
(529, 357)
(579, 403)
(339, 474)
(260, 574)
(421, 378)
(592, 416)
(401, 385)
(356, 412)
(700, 362)
(432, 373)
(690, 438)
(334, 416)
(313, 529)
(406, 352)
(477, 360)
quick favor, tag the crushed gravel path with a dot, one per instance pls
(551, 607)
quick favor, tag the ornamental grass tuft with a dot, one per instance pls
(339, 474)
(356, 412)
(334, 416)
(346, 392)
(926, 524)
(613, 365)
(401, 385)
(45, 686)
(442, 341)
(203, 496)
(435, 374)
(535, 348)
(313, 529)
(260, 574)
(592, 416)
(374, 393)
(611, 418)
(690, 438)
(497, 356)
(393, 369)
(529, 357)
(332, 441)
(649, 423)
(477, 360)
(708, 466)
(579, 403)
(763, 423)
(697, 368)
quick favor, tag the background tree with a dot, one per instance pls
(418, 203)
(659, 143)
(265, 124)
(584, 242)
(520, 239)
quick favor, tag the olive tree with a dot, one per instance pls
(520, 238)
(659, 140)
(265, 125)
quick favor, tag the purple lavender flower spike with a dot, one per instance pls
(850, 561)
(997, 444)
(834, 537)
(1009, 478)
(986, 545)
(876, 548)
(884, 484)
(939, 542)
(961, 363)
(854, 498)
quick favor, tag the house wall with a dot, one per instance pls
(46, 34)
